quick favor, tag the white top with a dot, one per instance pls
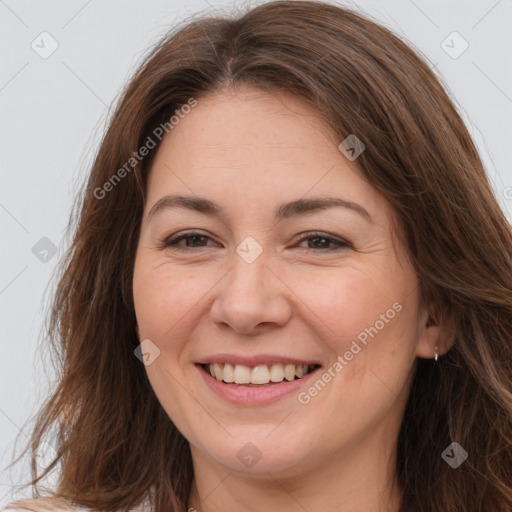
(53, 505)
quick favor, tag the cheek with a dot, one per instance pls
(345, 301)
(365, 315)
(163, 301)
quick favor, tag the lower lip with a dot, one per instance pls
(242, 395)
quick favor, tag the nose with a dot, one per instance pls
(251, 298)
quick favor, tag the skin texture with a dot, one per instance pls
(249, 151)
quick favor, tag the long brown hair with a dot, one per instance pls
(116, 446)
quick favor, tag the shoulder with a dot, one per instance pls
(53, 504)
(46, 504)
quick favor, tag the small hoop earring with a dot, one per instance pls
(436, 356)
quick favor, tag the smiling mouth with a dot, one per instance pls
(258, 376)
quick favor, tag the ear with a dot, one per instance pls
(433, 333)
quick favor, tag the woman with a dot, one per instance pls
(335, 332)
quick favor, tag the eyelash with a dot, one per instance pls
(171, 242)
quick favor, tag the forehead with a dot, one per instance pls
(230, 125)
(252, 148)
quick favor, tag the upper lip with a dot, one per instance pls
(262, 359)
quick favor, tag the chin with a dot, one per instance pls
(257, 455)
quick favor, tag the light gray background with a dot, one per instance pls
(53, 111)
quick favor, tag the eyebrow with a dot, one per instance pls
(283, 211)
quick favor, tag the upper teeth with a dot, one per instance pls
(263, 374)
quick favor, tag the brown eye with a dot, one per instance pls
(321, 241)
(316, 241)
(192, 239)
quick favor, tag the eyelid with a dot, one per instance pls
(164, 242)
(341, 243)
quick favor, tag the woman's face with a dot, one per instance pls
(252, 289)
